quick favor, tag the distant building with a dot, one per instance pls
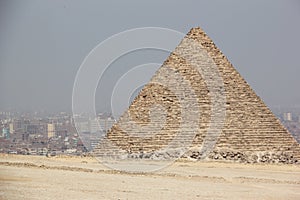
(94, 126)
(287, 116)
(32, 128)
(5, 133)
(11, 128)
(17, 126)
(83, 127)
(106, 123)
(51, 130)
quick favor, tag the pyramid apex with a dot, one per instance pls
(196, 31)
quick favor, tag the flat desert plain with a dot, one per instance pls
(38, 177)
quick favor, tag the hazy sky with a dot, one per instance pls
(43, 43)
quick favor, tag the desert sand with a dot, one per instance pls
(37, 177)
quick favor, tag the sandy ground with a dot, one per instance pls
(35, 177)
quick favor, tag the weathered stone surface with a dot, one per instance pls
(251, 133)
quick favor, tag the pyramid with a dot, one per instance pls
(207, 113)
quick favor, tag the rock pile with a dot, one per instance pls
(249, 157)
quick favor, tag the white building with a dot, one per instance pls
(51, 130)
(287, 116)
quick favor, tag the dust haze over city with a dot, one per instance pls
(149, 99)
(43, 44)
